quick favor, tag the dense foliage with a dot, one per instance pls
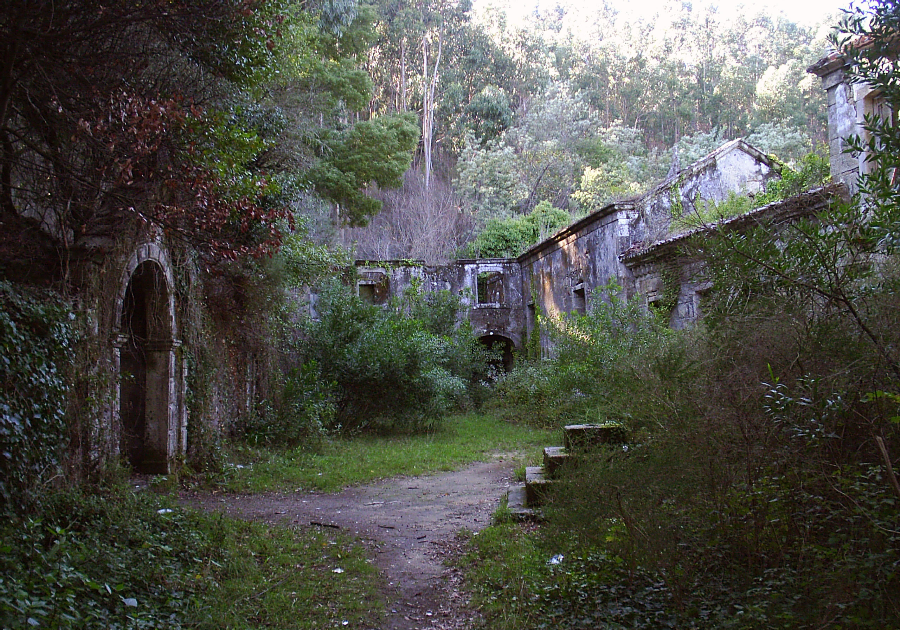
(37, 341)
(594, 375)
(507, 238)
(357, 366)
(186, 115)
(535, 108)
(757, 488)
(755, 485)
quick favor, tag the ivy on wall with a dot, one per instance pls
(37, 338)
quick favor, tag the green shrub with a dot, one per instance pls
(756, 491)
(301, 416)
(509, 237)
(605, 363)
(812, 171)
(392, 369)
(96, 561)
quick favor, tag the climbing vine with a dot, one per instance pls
(532, 342)
(670, 274)
(676, 209)
(37, 338)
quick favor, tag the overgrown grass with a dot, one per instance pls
(121, 560)
(522, 580)
(341, 462)
(500, 566)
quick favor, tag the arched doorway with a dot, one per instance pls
(147, 366)
(502, 349)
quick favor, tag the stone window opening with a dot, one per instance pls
(579, 299)
(489, 288)
(366, 292)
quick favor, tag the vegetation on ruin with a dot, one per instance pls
(757, 487)
(37, 340)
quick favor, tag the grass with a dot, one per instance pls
(285, 578)
(120, 560)
(499, 565)
(115, 559)
(342, 462)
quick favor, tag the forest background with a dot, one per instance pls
(572, 106)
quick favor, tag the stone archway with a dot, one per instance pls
(503, 347)
(151, 423)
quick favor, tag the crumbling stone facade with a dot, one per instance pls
(848, 105)
(148, 402)
(490, 291)
(504, 297)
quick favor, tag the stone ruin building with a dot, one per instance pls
(634, 244)
(631, 243)
(138, 313)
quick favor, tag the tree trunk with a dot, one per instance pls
(404, 104)
(428, 87)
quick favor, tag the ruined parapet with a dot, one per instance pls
(489, 289)
(669, 275)
(848, 104)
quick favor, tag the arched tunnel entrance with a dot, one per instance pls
(502, 350)
(146, 367)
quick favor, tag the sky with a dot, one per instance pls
(806, 12)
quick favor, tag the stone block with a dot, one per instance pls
(555, 457)
(517, 503)
(536, 485)
(581, 437)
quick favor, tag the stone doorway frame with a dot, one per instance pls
(164, 422)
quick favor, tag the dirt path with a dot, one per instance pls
(410, 523)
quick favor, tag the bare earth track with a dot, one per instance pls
(409, 524)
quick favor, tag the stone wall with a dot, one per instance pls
(848, 104)
(504, 297)
(563, 272)
(492, 305)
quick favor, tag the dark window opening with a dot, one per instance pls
(579, 303)
(490, 287)
(501, 352)
(367, 293)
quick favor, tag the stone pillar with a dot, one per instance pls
(843, 118)
(160, 439)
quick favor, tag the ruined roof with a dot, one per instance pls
(632, 202)
(710, 160)
(804, 204)
(828, 64)
(838, 58)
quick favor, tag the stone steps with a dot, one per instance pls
(583, 437)
(536, 485)
(523, 499)
(517, 504)
(555, 457)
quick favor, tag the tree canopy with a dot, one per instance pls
(203, 117)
